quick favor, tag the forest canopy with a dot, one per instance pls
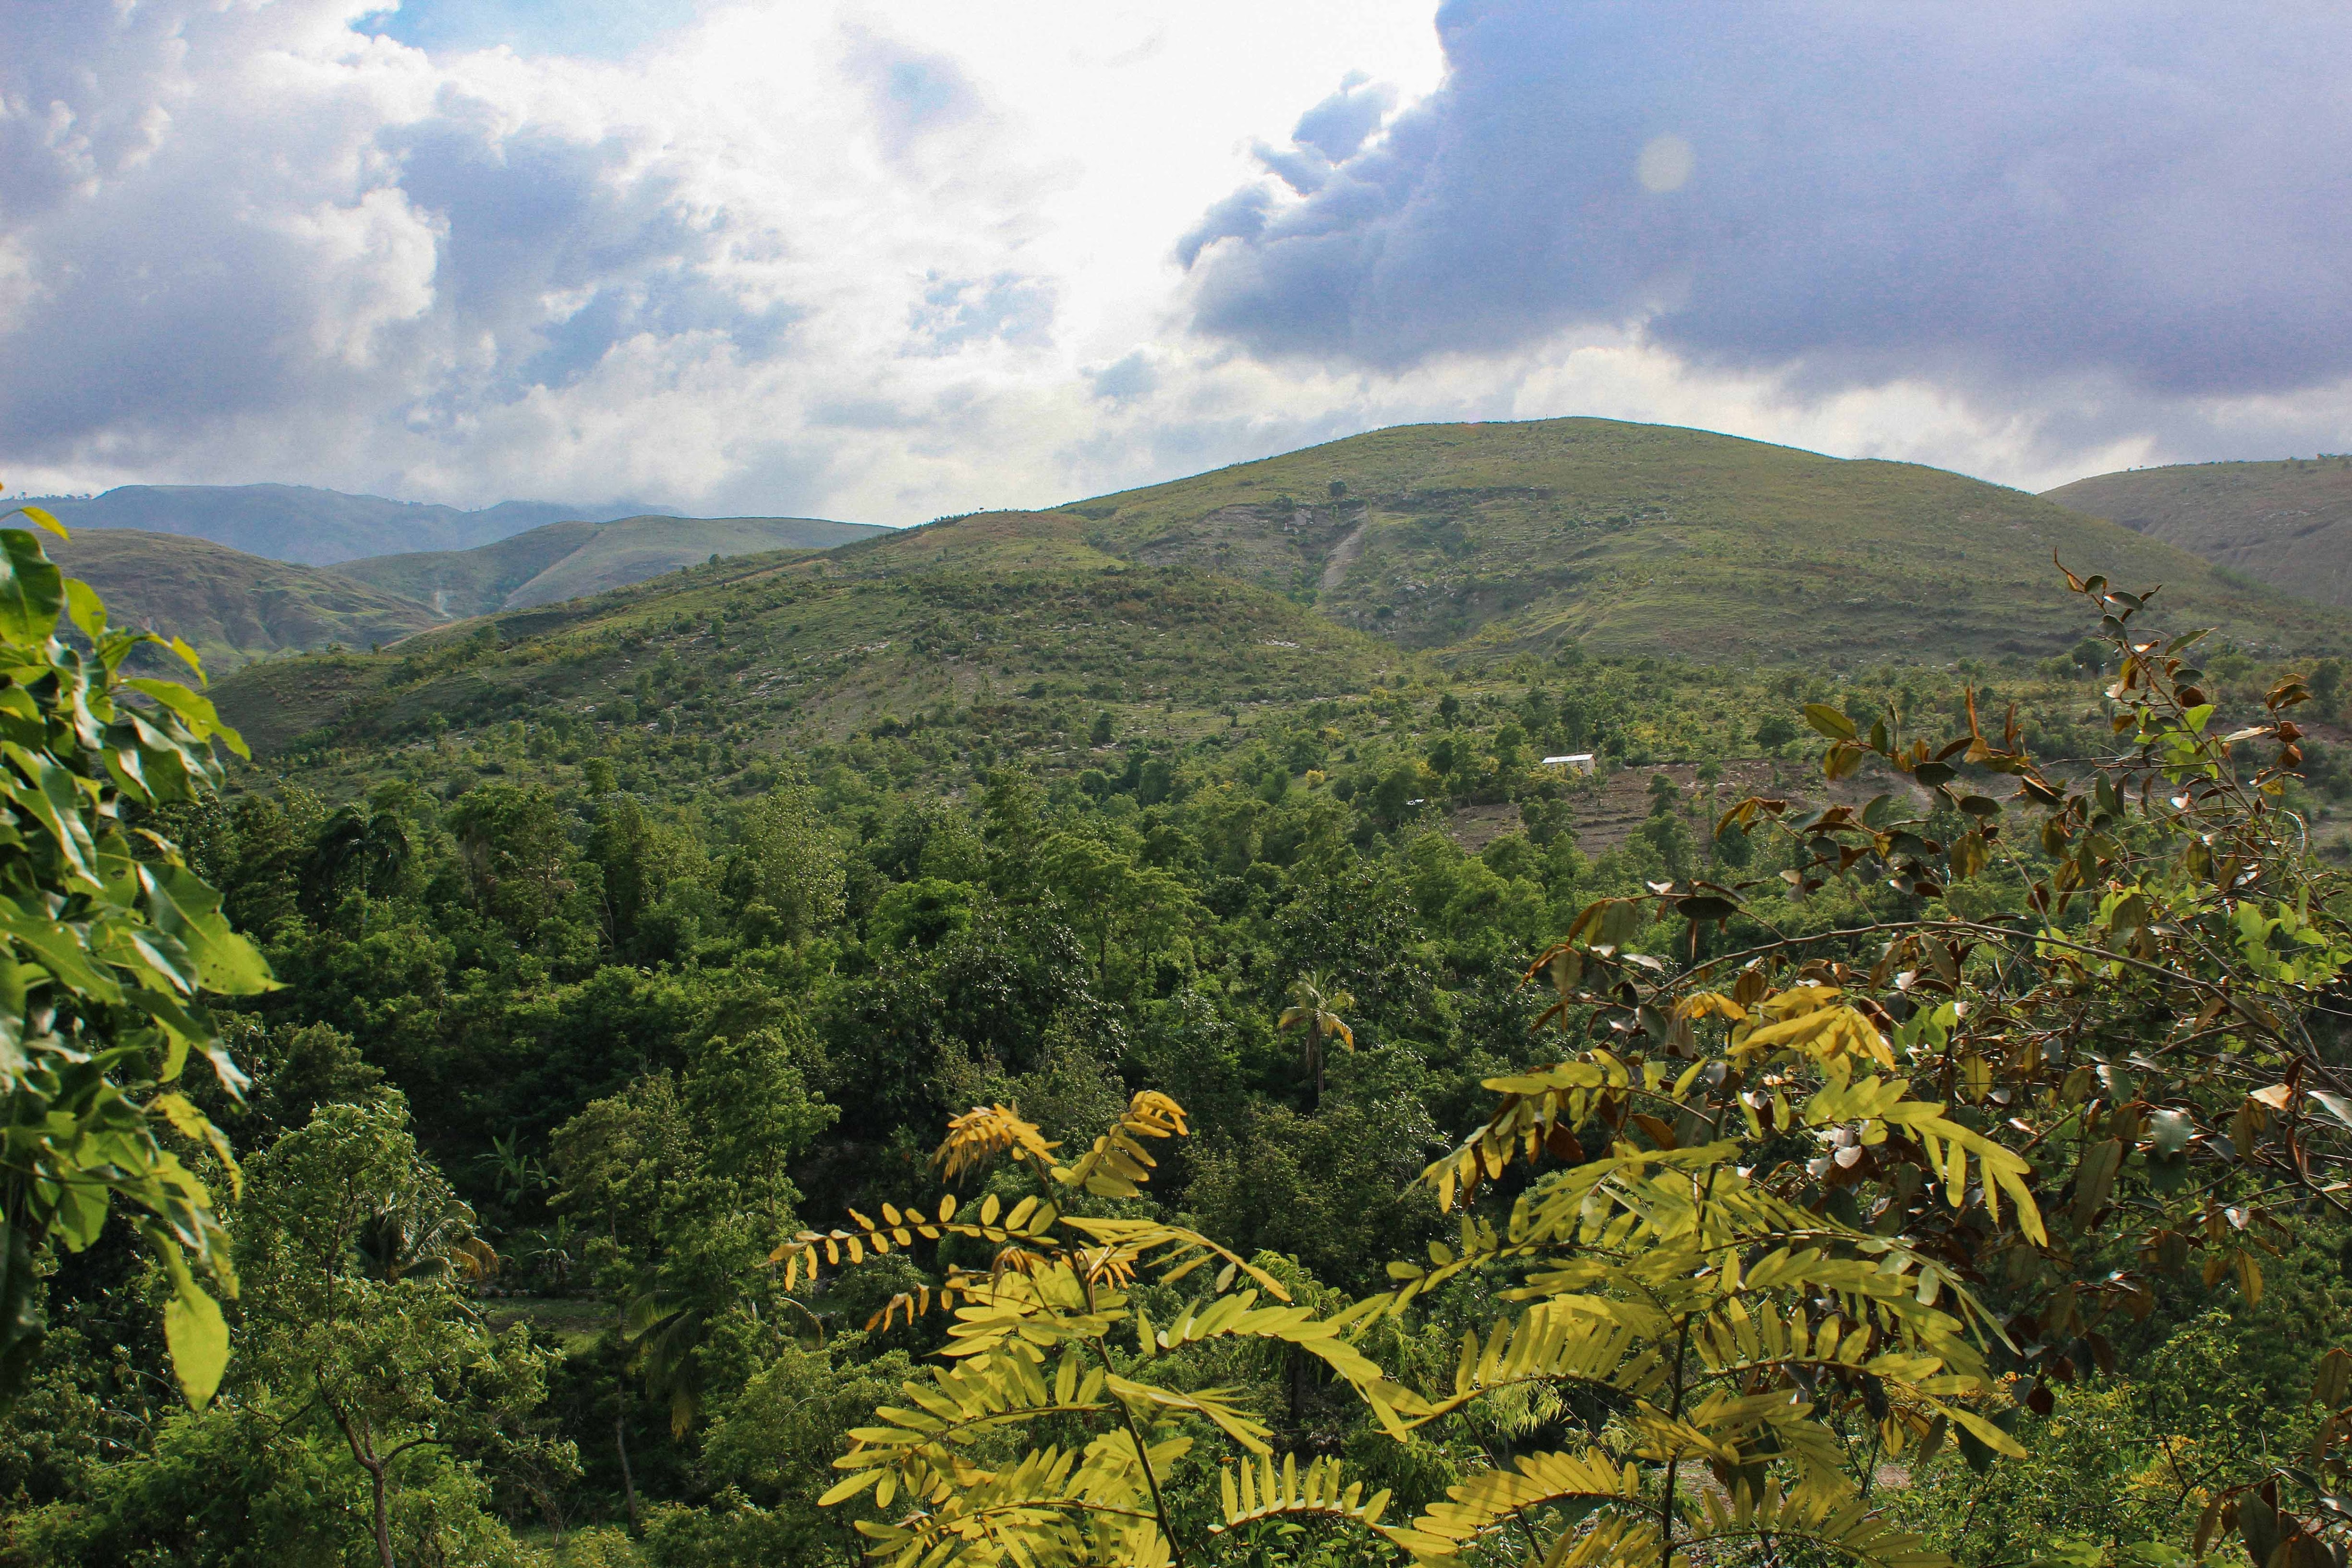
(1023, 1131)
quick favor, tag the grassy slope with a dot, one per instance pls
(570, 560)
(1479, 539)
(297, 523)
(763, 646)
(233, 607)
(2287, 523)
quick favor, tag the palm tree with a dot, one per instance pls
(373, 846)
(1315, 1007)
(663, 1330)
(422, 1235)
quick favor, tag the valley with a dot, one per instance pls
(638, 930)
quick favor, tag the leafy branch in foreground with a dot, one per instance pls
(1046, 1330)
(1768, 1192)
(2142, 1031)
(110, 944)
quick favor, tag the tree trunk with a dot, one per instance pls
(383, 1519)
(363, 1454)
(628, 1484)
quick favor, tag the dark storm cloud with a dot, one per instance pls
(2160, 194)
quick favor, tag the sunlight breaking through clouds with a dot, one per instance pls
(888, 262)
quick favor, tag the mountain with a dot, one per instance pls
(230, 606)
(1333, 570)
(2287, 523)
(1479, 539)
(318, 527)
(767, 644)
(568, 559)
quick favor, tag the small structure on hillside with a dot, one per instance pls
(1575, 761)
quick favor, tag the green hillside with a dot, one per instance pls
(1330, 570)
(1481, 539)
(2288, 523)
(300, 522)
(570, 560)
(622, 941)
(231, 606)
(762, 644)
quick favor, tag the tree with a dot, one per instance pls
(1774, 732)
(1769, 1188)
(112, 943)
(1315, 1008)
(685, 1176)
(356, 1257)
(1107, 896)
(517, 853)
(368, 846)
(788, 863)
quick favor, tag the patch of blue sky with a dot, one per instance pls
(599, 30)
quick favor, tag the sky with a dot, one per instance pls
(888, 262)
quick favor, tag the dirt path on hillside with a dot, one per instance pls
(1343, 555)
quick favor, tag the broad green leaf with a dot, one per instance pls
(1831, 721)
(46, 519)
(197, 1337)
(194, 706)
(2096, 1179)
(88, 610)
(186, 909)
(32, 590)
(2170, 1131)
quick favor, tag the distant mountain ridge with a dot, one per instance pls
(232, 607)
(235, 607)
(568, 559)
(315, 527)
(1333, 570)
(2288, 523)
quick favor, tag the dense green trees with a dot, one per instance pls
(578, 1026)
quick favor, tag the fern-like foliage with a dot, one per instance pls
(1047, 1333)
(1726, 1327)
(1757, 1188)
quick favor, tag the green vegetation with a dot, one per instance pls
(980, 1046)
(113, 943)
(2286, 524)
(234, 608)
(570, 560)
(298, 522)
(1632, 539)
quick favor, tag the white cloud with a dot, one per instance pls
(818, 257)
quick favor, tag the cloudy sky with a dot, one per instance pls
(885, 261)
